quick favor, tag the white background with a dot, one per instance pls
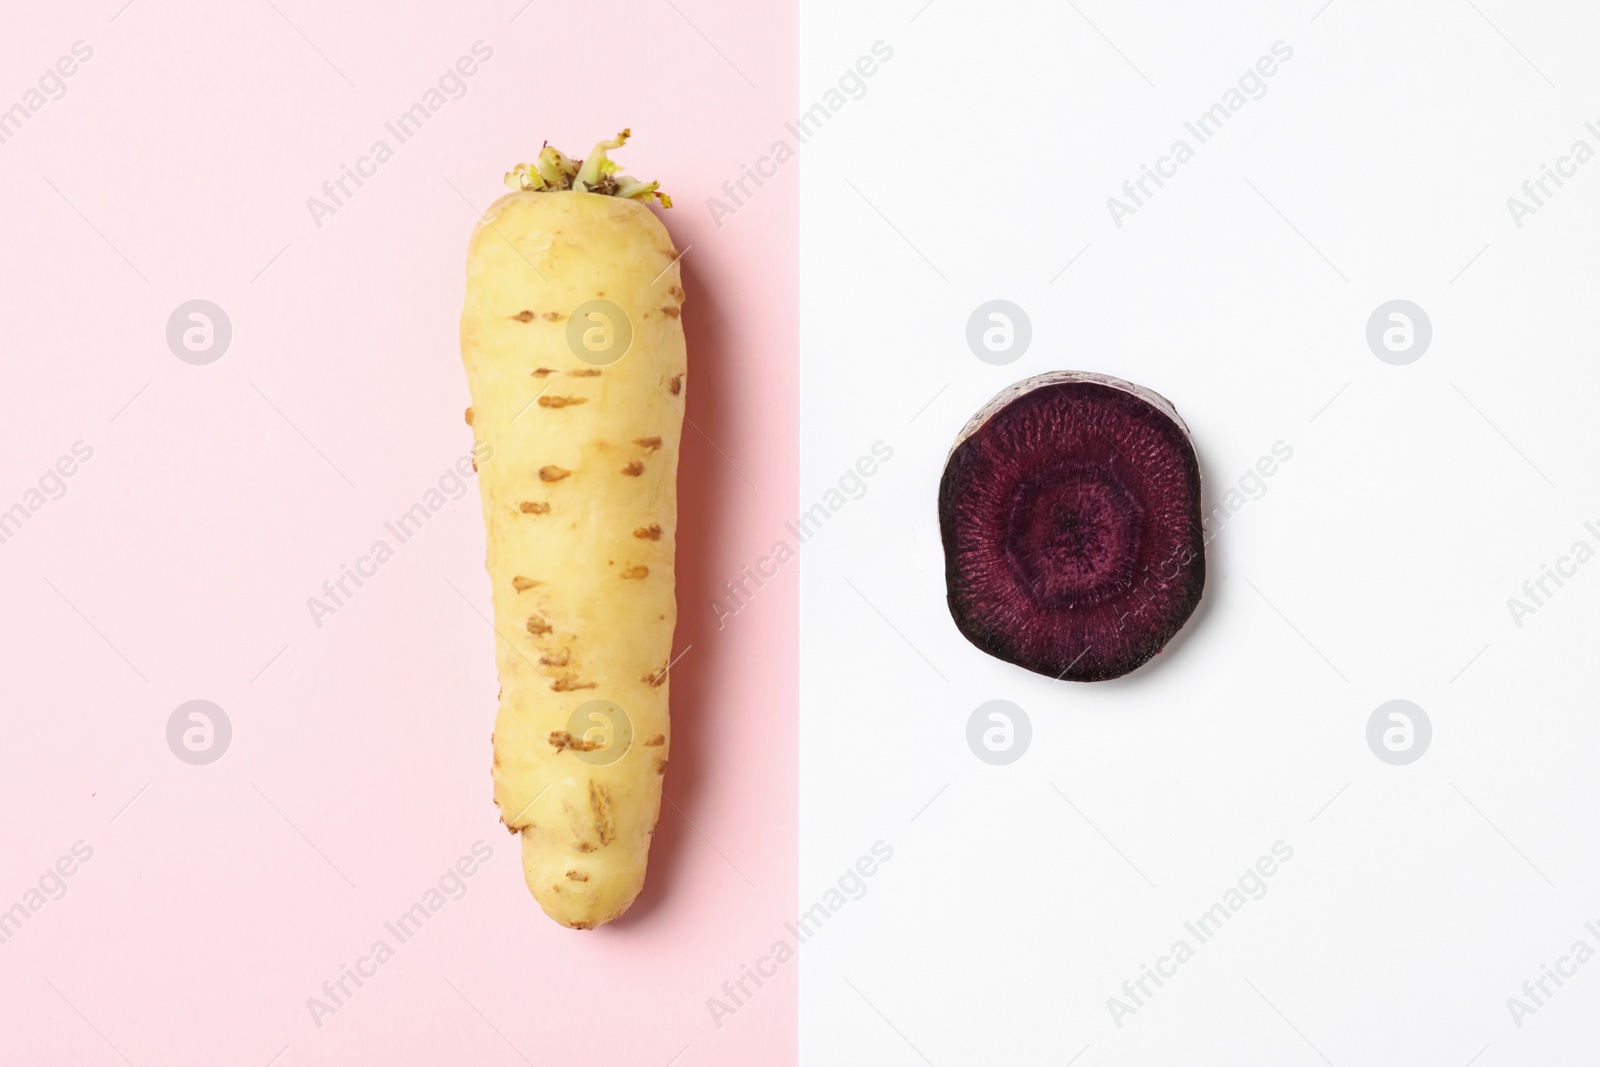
(1376, 566)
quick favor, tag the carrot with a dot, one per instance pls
(574, 353)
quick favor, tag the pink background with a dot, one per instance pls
(178, 564)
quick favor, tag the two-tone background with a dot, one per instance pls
(1346, 818)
